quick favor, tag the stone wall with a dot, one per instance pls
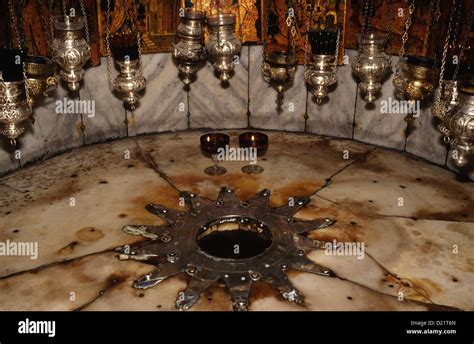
(248, 101)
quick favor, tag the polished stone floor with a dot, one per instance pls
(415, 219)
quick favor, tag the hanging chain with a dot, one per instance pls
(411, 9)
(139, 45)
(306, 40)
(14, 24)
(21, 29)
(290, 22)
(336, 59)
(368, 13)
(107, 42)
(51, 24)
(265, 35)
(446, 42)
(64, 8)
(389, 29)
(86, 23)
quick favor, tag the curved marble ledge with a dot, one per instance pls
(409, 246)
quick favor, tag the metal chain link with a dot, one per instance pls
(14, 24)
(21, 29)
(457, 21)
(368, 12)
(389, 28)
(107, 42)
(306, 40)
(51, 24)
(139, 45)
(290, 22)
(446, 43)
(64, 8)
(86, 23)
(337, 45)
(411, 9)
(265, 36)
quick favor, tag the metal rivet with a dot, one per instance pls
(254, 276)
(191, 270)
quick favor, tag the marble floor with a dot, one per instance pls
(415, 219)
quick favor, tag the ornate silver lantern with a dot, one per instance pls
(371, 64)
(15, 108)
(41, 76)
(446, 100)
(190, 52)
(71, 50)
(320, 75)
(415, 78)
(223, 44)
(130, 80)
(460, 125)
(279, 68)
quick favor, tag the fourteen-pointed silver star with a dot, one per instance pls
(227, 240)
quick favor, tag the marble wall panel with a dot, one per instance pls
(335, 116)
(213, 105)
(262, 96)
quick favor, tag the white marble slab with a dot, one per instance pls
(388, 189)
(263, 109)
(52, 132)
(111, 191)
(164, 104)
(108, 121)
(425, 140)
(335, 116)
(213, 105)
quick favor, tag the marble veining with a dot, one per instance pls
(262, 96)
(425, 140)
(164, 104)
(336, 115)
(52, 132)
(108, 121)
(409, 247)
(373, 126)
(213, 105)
